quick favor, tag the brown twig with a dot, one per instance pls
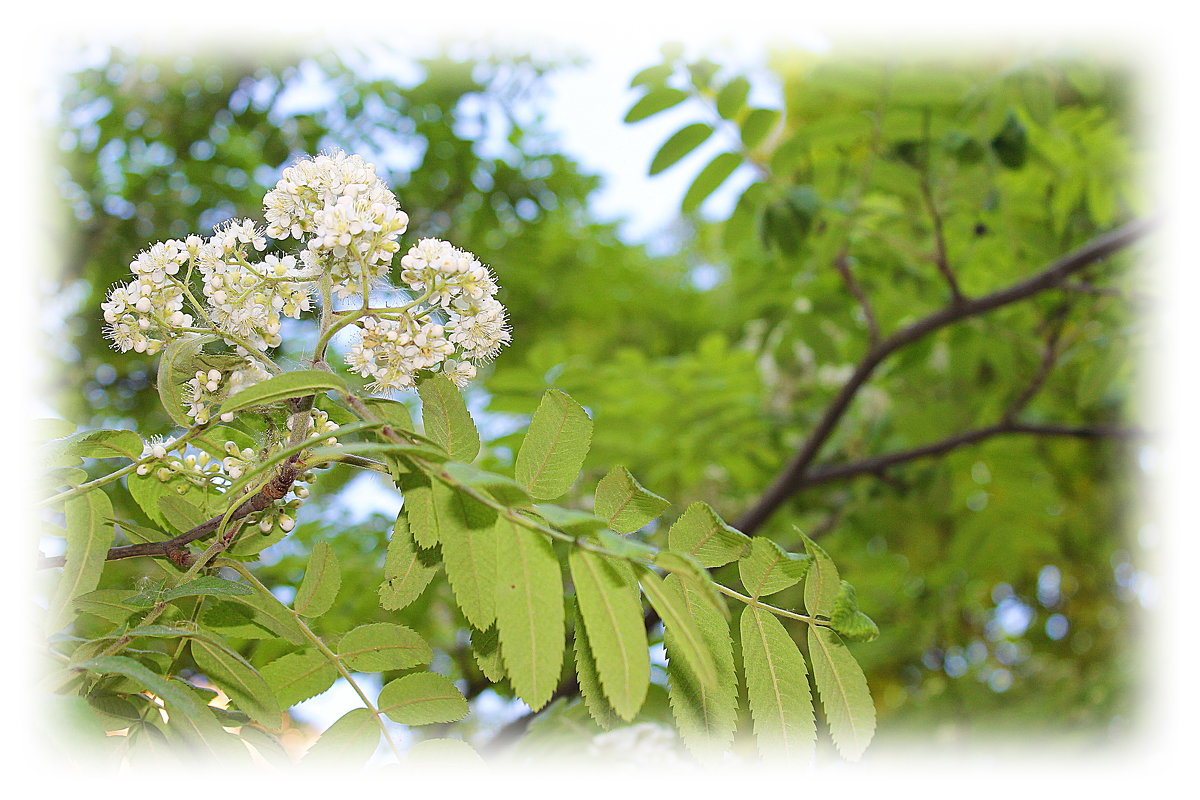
(842, 263)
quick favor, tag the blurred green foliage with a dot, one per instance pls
(1000, 575)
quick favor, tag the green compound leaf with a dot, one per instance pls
(757, 124)
(682, 142)
(90, 533)
(732, 97)
(654, 101)
(447, 421)
(706, 715)
(193, 720)
(422, 698)
(207, 585)
(768, 568)
(282, 387)
(175, 368)
(529, 612)
(298, 676)
(777, 687)
(322, 579)
(349, 741)
(407, 570)
(701, 533)
(824, 584)
(500, 487)
(843, 691)
(709, 179)
(612, 614)
(468, 539)
(238, 679)
(589, 676)
(668, 601)
(848, 621)
(625, 503)
(103, 444)
(381, 646)
(554, 447)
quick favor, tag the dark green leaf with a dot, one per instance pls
(322, 580)
(282, 387)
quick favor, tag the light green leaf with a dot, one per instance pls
(529, 612)
(349, 741)
(424, 515)
(422, 698)
(823, 585)
(609, 606)
(407, 571)
(554, 447)
(651, 76)
(207, 585)
(468, 539)
(282, 387)
(380, 646)
(322, 579)
(104, 444)
(768, 568)
(706, 715)
(777, 687)
(90, 533)
(682, 142)
(732, 97)
(668, 600)
(176, 367)
(843, 690)
(625, 503)
(848, 621)
(238, 679)
(589, 677)
(701, 533)
(500, 487)
(709, 179)
(757, 124)
(447, 421)
(694, 576)
(654, 101)
(297, 676)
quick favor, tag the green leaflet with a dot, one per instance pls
(446, 418)
(114, 605)
(554, 446)
(322, 579)
(468, 539)
(569, 520)
(769, 569)
(589, 677)
(297, 676)
(253, 616)
(207, 585)
(843, 691)
(147, 490)
(694, 576)
(610, 609)
(625, 503)
(239, 679)
(349, 741)
(102, 444)
(424, 516)
(732, 97)
(656, 100)
(392, 412)
(89, 535)
(299, 383)
(193, 719)
(175, 368)
(407, 570)
(757, 124)
(700, 532)
(848, 621)
(381, 646)
(485, 648)
(706, 715)
(500, 487)
(776, 686)
(680, 143)
(179, 513)
(823, 585)
(651, 76)
(422, 698)
(529, 612)
(709, 179)
(669, 603)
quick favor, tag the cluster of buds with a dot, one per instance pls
(143, 314)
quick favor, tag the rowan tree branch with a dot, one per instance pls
(793, 474)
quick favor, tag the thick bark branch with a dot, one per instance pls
(793, 474)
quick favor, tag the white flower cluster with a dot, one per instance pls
(207, 389)
(350, 218)
(141, 314)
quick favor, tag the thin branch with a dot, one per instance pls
(842, 263)
(941, 259)
(1053, 275)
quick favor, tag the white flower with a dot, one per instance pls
(480, 329)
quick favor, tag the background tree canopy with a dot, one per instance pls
(971, 475)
